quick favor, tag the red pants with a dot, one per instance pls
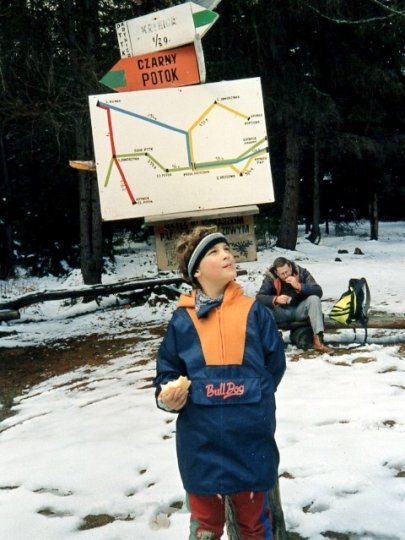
(252, 516)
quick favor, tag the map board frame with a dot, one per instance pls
(160, 152)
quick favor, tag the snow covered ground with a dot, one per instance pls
(89, 447)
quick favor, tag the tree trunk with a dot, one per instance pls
(92, 264)
(315, 234)
(327, 223)
(374, 216)
(6, 235)
(91, 238)
(81, 22)
(288, 231)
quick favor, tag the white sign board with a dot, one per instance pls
(165, 29)
(160, 152)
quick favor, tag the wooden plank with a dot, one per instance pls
(83, 165)
(201, 214)
(239, 231)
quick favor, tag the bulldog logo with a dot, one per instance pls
(225, 390)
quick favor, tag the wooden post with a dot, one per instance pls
(91, 241)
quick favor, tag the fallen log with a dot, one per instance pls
(85, 292)
(9, 314)
(391, 322)
(92, 291)
(8, 309)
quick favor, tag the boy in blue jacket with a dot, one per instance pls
(228, 346)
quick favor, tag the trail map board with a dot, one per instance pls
(160, 152)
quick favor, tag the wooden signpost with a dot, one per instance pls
(162, 49)
(210, 143)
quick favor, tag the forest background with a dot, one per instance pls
(333, 83)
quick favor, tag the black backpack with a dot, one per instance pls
(353, 305)
(302, 337)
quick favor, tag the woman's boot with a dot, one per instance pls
(320, 346)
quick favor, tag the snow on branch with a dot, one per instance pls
(393, 13)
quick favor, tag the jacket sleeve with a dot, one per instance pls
(272, 344)
(267, 293)
(308, 284)
(168, 364)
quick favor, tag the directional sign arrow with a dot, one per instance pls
(163, 69)
(165, 29)
(203, 18)
(207, 4)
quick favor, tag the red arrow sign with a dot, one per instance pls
(163, 69)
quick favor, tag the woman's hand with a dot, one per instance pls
(283, 299)
(293, 281)
(174, 398)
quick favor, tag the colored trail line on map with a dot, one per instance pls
(114, 155)
(253, 152)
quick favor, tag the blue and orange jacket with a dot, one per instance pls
(235, 359)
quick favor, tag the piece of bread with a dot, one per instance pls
(181, 382)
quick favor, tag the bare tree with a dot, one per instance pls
(288, 230)
(315, 234)
(82, 46)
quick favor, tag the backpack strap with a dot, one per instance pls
(367, 299)
(366, 305)
(361, 291)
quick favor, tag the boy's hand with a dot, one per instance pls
(174, 398)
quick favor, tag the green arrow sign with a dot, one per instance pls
(204, 18)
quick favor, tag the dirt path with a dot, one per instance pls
(24, 367)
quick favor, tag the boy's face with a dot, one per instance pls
(217, 267)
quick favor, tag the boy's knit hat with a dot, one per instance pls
(205, 243)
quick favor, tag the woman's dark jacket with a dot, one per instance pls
(273, 286)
